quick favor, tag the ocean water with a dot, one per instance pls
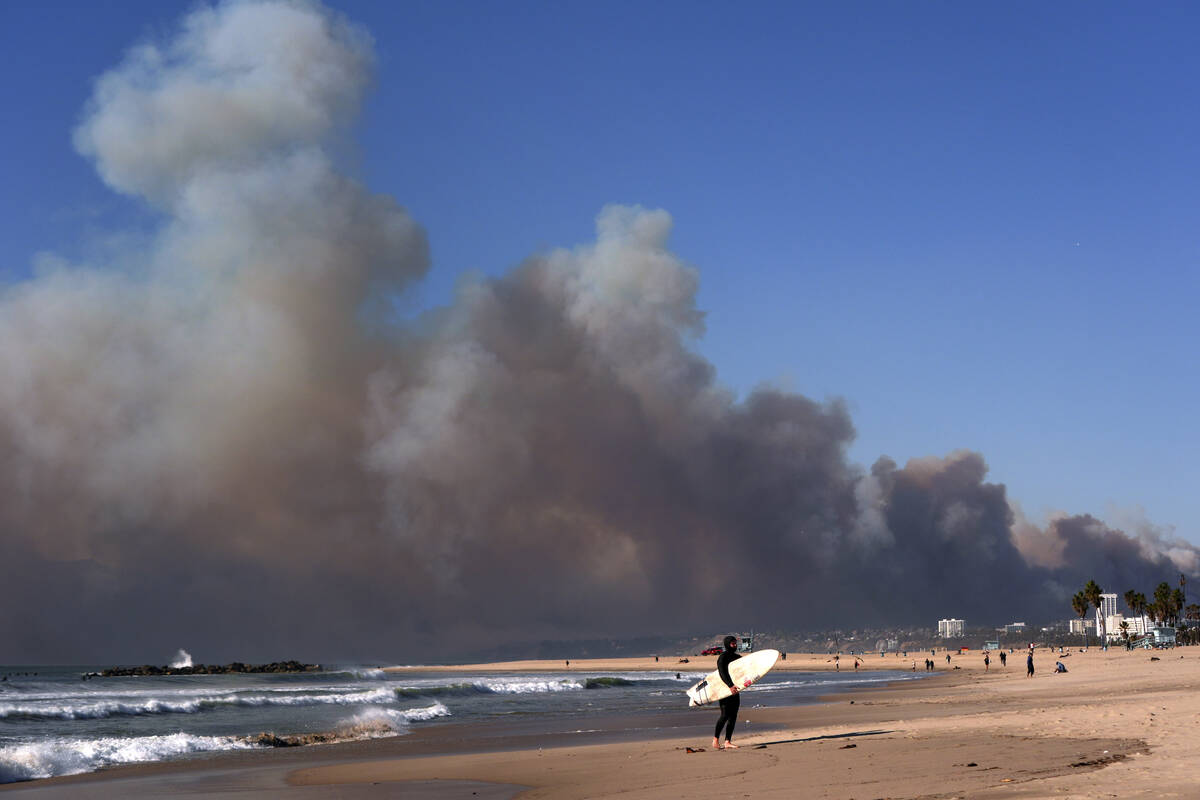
(52, 722)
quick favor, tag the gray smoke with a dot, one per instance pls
(226, 438)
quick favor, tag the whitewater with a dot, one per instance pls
(53, 721)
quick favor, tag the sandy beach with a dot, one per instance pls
(1118, 724)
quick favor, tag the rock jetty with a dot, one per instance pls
(207, 669)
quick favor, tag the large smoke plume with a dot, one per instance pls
(226, 437)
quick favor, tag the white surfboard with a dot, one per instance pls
(744, 672)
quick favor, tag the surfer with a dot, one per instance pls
(729, 705)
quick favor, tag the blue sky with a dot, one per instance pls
(977, 224)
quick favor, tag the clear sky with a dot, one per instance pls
(974, 222)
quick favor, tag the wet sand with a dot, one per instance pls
(1118, 724)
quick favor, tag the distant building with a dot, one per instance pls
(1082, 626)
(1135, 626)
(1108, 607)
(1015, 627)
(950, 628)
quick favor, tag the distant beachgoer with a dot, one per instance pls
(1003, 658)
(568, 664)
(731, 704)
(1060, 666)
(856, 663)
(947, 658)
(987, 661)
(656, 659)
(1029, 665)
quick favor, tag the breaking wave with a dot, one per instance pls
(371, 723)
(187, 705)
(365, 673)
(490, 686)
(605, 683)
(70, 756)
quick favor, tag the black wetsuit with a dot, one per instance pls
(731, 704)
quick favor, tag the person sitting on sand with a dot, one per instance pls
(731, 704)
(1060, 666)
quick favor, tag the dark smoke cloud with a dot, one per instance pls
(224, 443)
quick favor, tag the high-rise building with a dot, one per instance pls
(1108, 607)
(949, 628)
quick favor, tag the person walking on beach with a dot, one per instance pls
(987, 662)
(731, 704)
(1003, 658)
(1029, 665)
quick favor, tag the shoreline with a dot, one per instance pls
(795, 662)
(962, 732)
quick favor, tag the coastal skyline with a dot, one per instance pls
(385, 341)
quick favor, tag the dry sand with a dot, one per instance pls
(1117, 725)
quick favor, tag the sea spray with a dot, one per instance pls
(182, 659)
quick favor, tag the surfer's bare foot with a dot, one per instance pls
(730, 746)
(716, 743)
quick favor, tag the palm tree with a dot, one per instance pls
(1163, 602)
(1177, 601)
(1080, 604)
(1142, 605)
(1091, 593)
(1191, 614)
(1131, 601)
(1125, 632)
